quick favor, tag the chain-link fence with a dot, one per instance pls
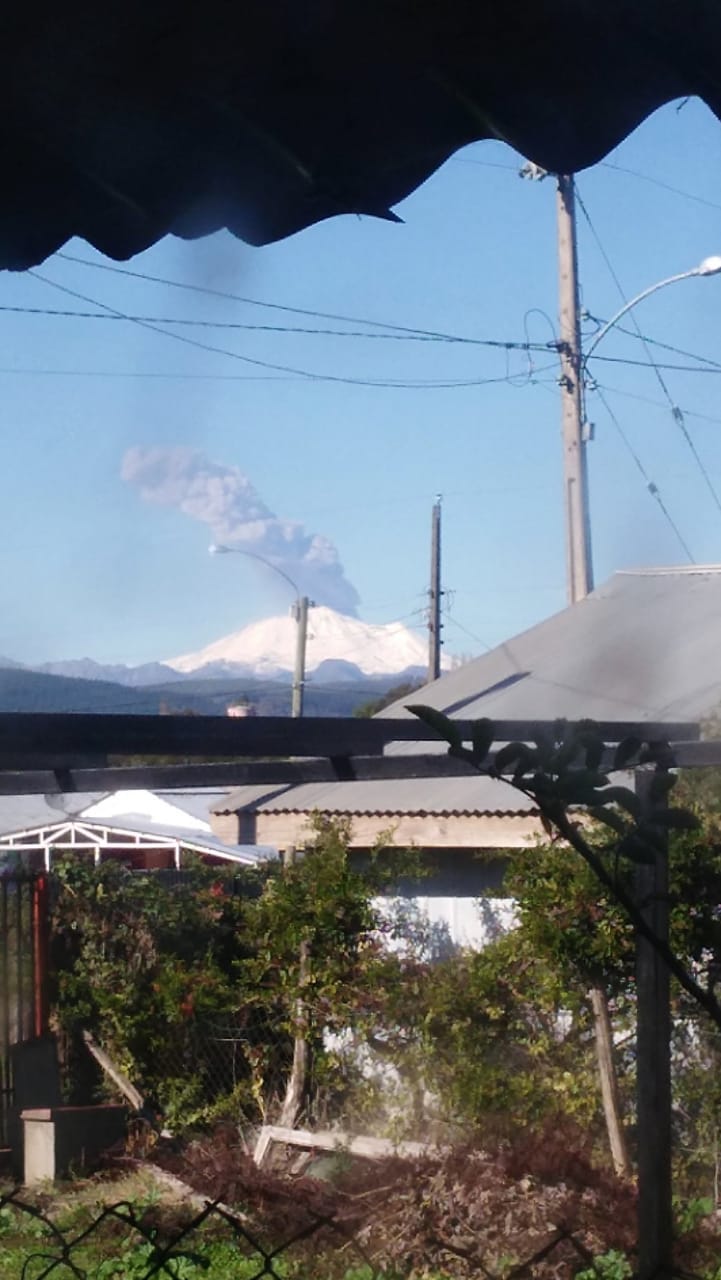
(131, 1242)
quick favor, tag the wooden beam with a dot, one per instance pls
(268, 773)
(24, 734)
(328, 1140)
(37, 761)
(34, 778)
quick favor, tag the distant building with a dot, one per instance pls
(239, 710)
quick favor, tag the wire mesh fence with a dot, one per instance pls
(126, 1240)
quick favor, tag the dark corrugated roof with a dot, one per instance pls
(247, 797)
(123, 123)
(646, 645)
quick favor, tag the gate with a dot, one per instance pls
(23, 973)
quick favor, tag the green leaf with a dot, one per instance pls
(626, 750)
(677, 819)
(662, 784)
(482, 738)
(624, 798)
(514, 753)
(637, 849)
(566, 754)
(440, 723)
(593, 745)
(584, 778)
(609, 817)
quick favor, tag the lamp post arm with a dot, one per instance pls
(628, 306)
(241, 551)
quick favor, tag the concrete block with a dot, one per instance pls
(56, 1138)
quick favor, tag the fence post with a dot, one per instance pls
(653, 1054)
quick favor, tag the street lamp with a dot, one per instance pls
(574, 382)
(709, 267)
(301, 604)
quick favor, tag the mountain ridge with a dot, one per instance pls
(266, 649)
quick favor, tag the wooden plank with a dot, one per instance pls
(23, 734)
(327, 1140)
(258, 772)
(48, 762)
(121, 1082)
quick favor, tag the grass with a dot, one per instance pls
(125, 1229)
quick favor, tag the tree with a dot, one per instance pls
(562, 773)
(371, 708)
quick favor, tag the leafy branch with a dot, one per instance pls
(562, 770)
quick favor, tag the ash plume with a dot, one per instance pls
(224, 499)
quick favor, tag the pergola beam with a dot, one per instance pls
(28, 735)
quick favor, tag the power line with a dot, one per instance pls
(454, 622)
(676, 412)
(142, 373)
(632, 395)
(657, 365)
(652, 488)
(654, 342)
(488, 164)
(658, 182)
(183, 375)
(437, 335)
(501, 343)
(310, 375)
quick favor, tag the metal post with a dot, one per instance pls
(575, 479)
(434, 594)
(653, 1059)
(300, 613)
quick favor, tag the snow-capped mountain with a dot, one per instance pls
(267, 649)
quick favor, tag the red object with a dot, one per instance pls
(40, 927)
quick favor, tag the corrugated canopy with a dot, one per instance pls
(122, 123)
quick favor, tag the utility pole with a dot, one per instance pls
(300, 613)
(579, 571)
(434, 596)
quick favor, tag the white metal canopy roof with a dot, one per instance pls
(131, 833)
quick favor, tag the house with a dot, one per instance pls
(645, 645)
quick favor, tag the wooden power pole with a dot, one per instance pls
(579, 579)
(434, 596)
(575, 478)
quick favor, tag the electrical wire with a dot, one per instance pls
(310, 375)
(446, 614)
(676, 412)
(651, 486)
(658, 182)
(501, 343)
(632, 395)
(653, 364)
(141, 373)
(654, 342)
(183, 375)
(438, 335)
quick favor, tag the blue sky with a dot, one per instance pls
(89, 567)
